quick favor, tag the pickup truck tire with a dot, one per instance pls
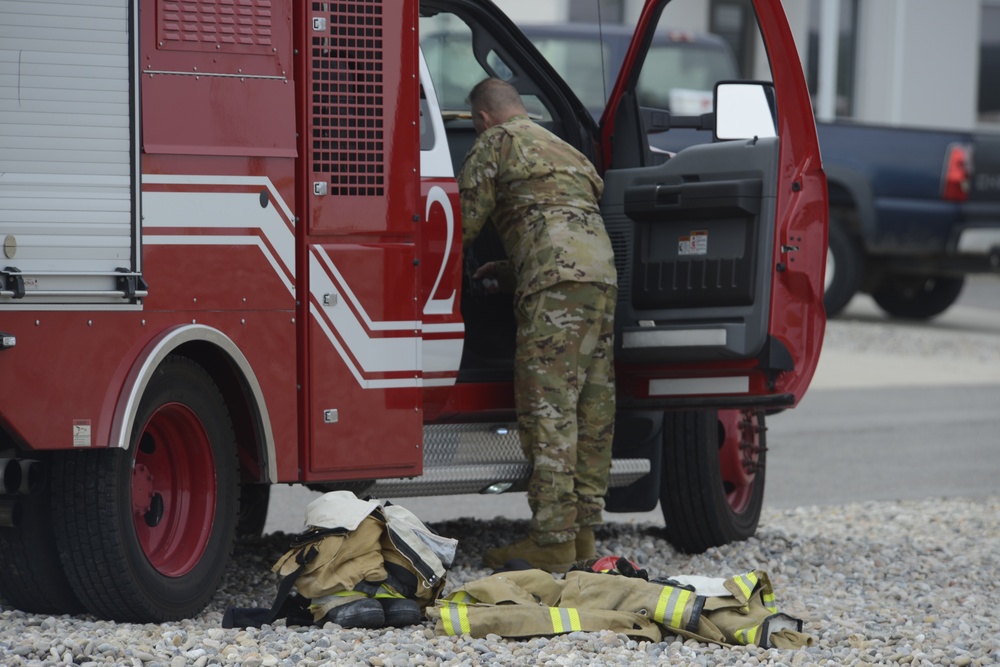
(844, 264)
(712, 478)
(32, 577)
(146, 533)
(917, 298)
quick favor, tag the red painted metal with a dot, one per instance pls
(173, 490)
(797, 318)
(219, 142)
(739, 453)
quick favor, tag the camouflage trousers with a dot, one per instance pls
(565, 397)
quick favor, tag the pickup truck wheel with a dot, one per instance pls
(146, 533)
(843, 268)
(917, 298)
(712, 485)
(32, 577)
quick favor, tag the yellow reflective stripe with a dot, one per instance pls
(461, 597)
(455, 615)
(746, 582)
(670, 606)
(564, 619)
(747, 636)
(348, 594)
(388, 592)
(769, 603)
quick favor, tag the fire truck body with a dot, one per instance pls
(233, 258)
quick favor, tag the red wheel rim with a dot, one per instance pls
(173, 489)
(739, 454)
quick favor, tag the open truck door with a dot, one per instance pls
(720, 250)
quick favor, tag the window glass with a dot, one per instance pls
(446, 41)
(685, 74)
(426, 127)
(582, 65)
(694, 49)
(447, 45)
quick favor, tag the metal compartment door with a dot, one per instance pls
(361, 150)
(67, 142)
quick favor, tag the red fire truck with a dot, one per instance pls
(232, 258)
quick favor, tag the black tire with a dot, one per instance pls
(712, 483)
(844, 267)
(254, 502)
(917, 298)
(146, 533)
(32, 577)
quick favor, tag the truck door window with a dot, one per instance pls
(685, 73)
(685, 61)
(447, 43)
(426, 126)
(580, 61)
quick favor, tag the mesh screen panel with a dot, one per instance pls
(348, 104)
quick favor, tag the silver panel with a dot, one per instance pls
(691, 386)
(674, 338)
(468, 458)
(66, 141)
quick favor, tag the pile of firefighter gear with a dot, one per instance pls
(529, 603)
(359, 563)
(365, 563)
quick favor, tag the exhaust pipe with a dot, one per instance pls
(21, 476)
(10, 514)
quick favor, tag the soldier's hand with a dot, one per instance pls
(487, 273)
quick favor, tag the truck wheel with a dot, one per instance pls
(712, 484)
(32, 577)
(843, 268)
(917, 298)
(146, 533)
(254, 501)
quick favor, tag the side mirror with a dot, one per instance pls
(744, 110)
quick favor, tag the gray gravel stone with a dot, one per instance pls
(911, 583)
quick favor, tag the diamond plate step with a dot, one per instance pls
(469, 458)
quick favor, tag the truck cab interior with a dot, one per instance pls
(463, 43)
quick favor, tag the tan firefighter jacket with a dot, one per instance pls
(350, 544)
(528, 603)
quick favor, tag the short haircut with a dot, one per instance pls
(494, 95)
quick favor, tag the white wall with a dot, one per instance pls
(535, 11)
(918, 62)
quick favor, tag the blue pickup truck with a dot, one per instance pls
(912, 211)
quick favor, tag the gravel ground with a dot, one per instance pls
(912, 583)
(898, 583)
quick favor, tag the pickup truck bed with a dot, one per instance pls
(912, 212)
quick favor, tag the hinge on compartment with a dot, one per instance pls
(129, 283)
(775, 359)
(13, 281)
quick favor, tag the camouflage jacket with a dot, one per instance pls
(542, 196)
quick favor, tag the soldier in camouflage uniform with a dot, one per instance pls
(542, 196)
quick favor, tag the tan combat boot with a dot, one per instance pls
(585, 548)
(557, 557)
